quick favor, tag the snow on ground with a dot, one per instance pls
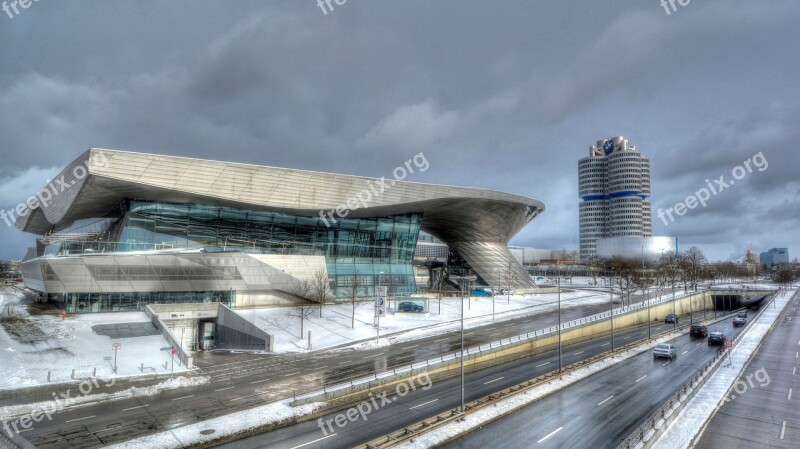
(32, 345)
(695, 414)
(231, 424)
(335, 329)
(77, 396)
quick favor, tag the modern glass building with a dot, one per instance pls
(133, 229)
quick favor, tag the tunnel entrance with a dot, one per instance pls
(727, 302)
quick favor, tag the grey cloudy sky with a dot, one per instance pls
(505, 95)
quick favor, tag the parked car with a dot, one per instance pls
(716, 338)
(739, 321)
(671, 318)
(409, 307)
(742, 314)
(698, 330)
(665, 350)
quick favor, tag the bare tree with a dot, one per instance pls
(303, 307)
(320, 288)
(668, 265)
(571, 258)
(595, 268)
(692, 262)
(355, 292)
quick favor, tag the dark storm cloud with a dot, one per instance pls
(504, 95)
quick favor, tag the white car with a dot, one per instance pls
(665, 350)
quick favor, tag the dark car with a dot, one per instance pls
(742, 314)
(409, 307)
(671, 318)
(698, 330)
(716, 338)
(739, 321)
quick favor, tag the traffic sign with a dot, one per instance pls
(728, 343)
(115, 346)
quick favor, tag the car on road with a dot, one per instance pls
(665, 350)
(698, 330)
(409, 307)
(716, 338)
(671, 318)
(742, 314)
(739, 321)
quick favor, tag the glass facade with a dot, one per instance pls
(121, 302)
(377, 249)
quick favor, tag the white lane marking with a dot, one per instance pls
(641, 378)
(259, 381)
(373, 355)
(441, 339)
(409, 347)
(550, 434)
(491, 328)
(667, 363)
(291, 374)
(312, 442)
(342, 363)
(698, 344)
(495, 380)
(424, 403)
(797, 355)
(783, 429)
(626, 338)
(223, 389)
(243, 397)
(605, 344)
(684, 352)
(605, 400)
(794, 371)
(790, 395)
(134, 408)
(183, 397)
(80, 419)
(578, 353)
(543, 364)
(496, 334)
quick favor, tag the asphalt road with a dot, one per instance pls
(599, 411)
(443, 396)
(243, 381)
(765, 411)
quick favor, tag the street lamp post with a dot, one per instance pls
(462, 351)
(611, 294)
(494, 270)
(558, 282)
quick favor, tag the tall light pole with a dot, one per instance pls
(462, 351)
(611, 294)
(378, 308)
(558, 283)
(494, 271)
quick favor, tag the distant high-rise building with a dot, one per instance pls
(775, 256)
(614, 187)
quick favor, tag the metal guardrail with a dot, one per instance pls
(644, 431)
(409, 432)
